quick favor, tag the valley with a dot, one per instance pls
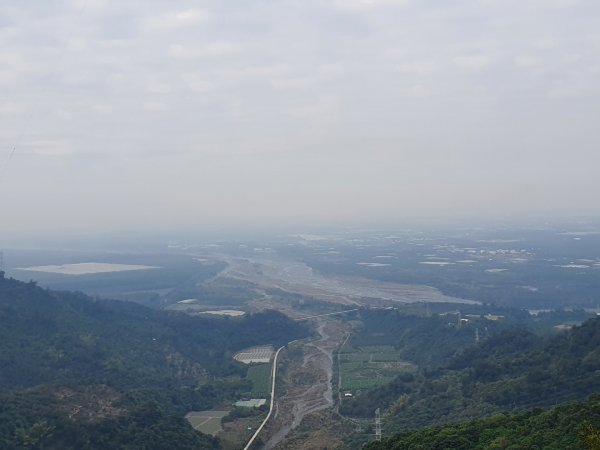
(360, 334)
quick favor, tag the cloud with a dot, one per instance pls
(63, 114)
(545, 44)
(154, 106)
(365, 5)
(417, 67)
(214, 49)
(270, 71)
(49, 147)
(324, 111)
(291, 83)
(8, 76)
(14, 64)
(156, 86)
(440, 90)
(528, 62)
(88, 5)
(573, 91)
(12, 109)
(330, 70)
(473, 62)
(416, 91)
(177, 19)
(102, 108)
(197, 83)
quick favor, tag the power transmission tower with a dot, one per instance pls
(476, 334)
(1, 261)
(377, 425)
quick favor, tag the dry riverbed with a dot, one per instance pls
(306, 383)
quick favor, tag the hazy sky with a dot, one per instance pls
(183, 113)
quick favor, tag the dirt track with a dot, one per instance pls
(307, 382)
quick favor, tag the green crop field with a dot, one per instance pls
(208, 422)
(369, 366)
(260, 375)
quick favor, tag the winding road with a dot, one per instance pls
(273, 376)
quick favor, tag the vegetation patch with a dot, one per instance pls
(260, 376)
(369, 366)
(207, 422)
(573, 426)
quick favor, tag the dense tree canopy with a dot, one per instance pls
(81, 373)
(571, 426)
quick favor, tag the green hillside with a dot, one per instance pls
(512, 369)
(111, 372)
(571, 426)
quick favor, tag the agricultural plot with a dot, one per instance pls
(369, 366)
(261, 354)
(260, 375)
(252, 403)
(208, 422)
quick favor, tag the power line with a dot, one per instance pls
(377, 425)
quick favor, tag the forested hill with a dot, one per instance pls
(59, 350)
(511, 370)
(572, 426)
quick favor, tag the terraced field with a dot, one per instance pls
(259, 354)
(369, 366)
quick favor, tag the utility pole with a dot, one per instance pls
(377, 425)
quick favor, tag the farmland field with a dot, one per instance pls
(261, 354)
(208, 422)
(260, 375)
(369, 366)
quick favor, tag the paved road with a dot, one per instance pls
(273, 376)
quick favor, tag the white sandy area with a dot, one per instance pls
(87, 268)
(224, 312)
(372, 264)
(573, 266)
